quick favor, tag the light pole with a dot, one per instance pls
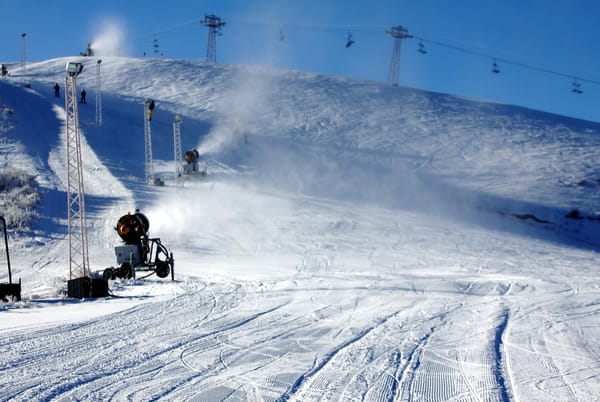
(148, 110)
(177, 150)
(23, 67)
(98, 95)
(78, 247)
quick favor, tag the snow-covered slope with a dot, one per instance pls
(351, 242)
(329, 125)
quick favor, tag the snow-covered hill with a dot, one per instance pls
(351, 241)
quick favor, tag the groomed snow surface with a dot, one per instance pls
(350, 242)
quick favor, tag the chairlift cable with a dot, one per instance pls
(466, 48)
(508, 61)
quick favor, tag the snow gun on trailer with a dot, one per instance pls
(192, 163)
(140, 252)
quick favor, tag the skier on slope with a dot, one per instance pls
(83, 95)
(57, 90)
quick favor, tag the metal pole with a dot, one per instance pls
(398, 33)
(7, 256)
(211, 48)
(177, 151)
(23, 65)
(214, 25)
(98, 95)
(78, 248)
(148, 143)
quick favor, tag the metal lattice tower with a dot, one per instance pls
(214, 25)
(148, 143)
(177, 149)
(398, 33)
(78, 247)
(98, 95)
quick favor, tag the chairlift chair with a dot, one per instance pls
(495, 68)
(422, 48)
(576, 88)
(349, 40)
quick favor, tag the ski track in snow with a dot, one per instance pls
(338, 250)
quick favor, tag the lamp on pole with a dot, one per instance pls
(177, 150)
(78, 248)
(23, 67)
(98, 95)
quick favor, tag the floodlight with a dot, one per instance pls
(74, 69)
(99, 61)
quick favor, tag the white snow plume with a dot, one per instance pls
(221, 136)
(239, 110)
(110, 40)
(231, 214)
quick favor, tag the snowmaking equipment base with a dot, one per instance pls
(87, 288)
(140, 252)
(9, 290)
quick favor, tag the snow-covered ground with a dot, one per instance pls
(351, 241)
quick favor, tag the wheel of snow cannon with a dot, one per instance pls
(162, 269)
(126, 271)
(108, 274)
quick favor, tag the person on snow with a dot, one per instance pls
(150, 110)
(57, 90)
(83, 95)
(4, 70)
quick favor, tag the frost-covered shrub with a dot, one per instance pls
(19, 195)
(5, 118)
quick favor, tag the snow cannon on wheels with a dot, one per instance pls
(140, 252)
(192, 163)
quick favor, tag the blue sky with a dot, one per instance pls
(541, 47)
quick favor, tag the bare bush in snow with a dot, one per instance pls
(19, 195)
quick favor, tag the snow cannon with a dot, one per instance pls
(191, 156)
(132, 228)
(191, 167)
(140, 252)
